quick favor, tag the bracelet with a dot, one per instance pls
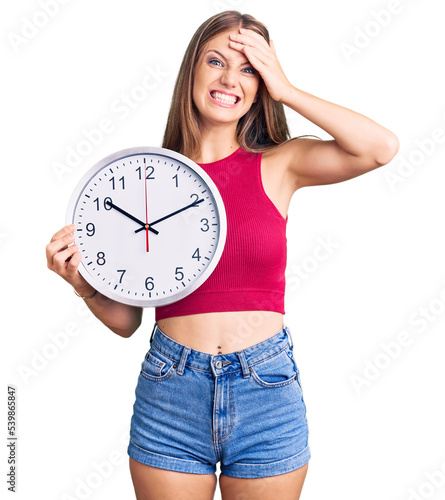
(90, 297)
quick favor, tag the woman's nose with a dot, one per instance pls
(229, 77)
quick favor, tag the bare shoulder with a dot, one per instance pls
(282, 158)
(289, 152)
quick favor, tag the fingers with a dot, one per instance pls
(64, 232)
(73, 264)
(272, 46)
(63, 257)
(252, 37)
(252, 45)
(61, 261)
(59, 241)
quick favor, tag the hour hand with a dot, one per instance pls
(123, 212)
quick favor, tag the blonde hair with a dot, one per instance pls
(261, 128)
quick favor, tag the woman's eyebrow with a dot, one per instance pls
(217, 52)
(225, 58)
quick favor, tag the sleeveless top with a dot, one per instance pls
(250, 273)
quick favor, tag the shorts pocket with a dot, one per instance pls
(157, 366)
(292, 358)
(276, 371)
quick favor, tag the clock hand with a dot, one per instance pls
(146, 211)
(194, 204)
(123, 212)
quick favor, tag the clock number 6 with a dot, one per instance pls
(149, 285)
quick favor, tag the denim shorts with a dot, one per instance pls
(244, 409)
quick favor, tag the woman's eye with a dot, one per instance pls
(216, 62)
(251, 71)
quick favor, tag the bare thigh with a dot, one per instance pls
(151, 483)
(283, 487)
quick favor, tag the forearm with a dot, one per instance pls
(353, 132)
(121, 319)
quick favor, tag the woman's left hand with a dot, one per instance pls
(263, 58)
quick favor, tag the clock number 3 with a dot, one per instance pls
(206, 225)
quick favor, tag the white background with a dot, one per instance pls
(63, 74)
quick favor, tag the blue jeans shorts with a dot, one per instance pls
(244, 409)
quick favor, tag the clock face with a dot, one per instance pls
(150, 225)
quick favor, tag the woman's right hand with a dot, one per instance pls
(64, 259)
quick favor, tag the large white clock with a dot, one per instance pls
(150, 225)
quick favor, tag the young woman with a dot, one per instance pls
(220, 382)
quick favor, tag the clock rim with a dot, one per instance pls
(121, 154)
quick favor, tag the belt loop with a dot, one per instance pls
(244, 366)
(153, 332)
(185, 353)
(291, 343)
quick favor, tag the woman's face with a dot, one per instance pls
(225, 84)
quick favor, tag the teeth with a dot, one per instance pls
(226, 99)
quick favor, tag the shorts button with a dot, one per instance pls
(218, 364)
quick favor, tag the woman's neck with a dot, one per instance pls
(216, 144)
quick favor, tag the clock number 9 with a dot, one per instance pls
(90, 229)
(149, 285)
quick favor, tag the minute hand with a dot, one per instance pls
(194, 204)
(123, 212)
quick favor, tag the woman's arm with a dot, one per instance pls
(63, 257)
(359, 144)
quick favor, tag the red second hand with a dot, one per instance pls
(146, 207)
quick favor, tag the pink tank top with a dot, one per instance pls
(250, 273)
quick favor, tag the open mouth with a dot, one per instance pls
(228, 99)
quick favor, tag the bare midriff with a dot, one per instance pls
(222, 332)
